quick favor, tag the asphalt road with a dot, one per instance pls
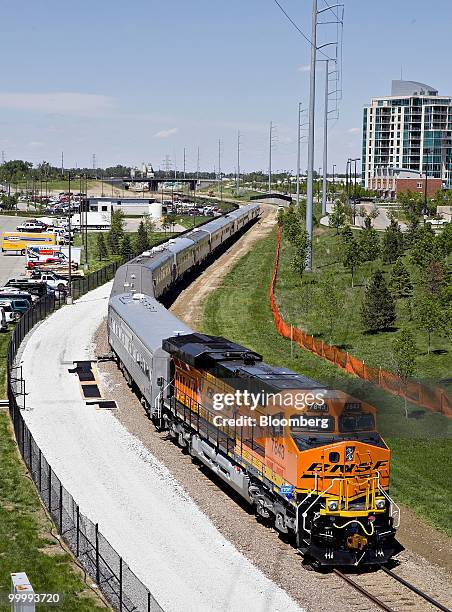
(10, 264)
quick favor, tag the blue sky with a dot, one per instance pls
(137, 81)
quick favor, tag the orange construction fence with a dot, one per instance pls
(435, 399)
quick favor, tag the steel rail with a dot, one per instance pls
(410, 586)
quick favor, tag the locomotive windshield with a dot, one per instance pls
(363, 421)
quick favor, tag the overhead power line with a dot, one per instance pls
(299, 30)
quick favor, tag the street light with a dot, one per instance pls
(356, 159)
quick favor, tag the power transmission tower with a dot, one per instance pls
(310, 172)
(3, 157)
(184, 162)
(238, 163)
(197, 166)
(62, 164)
(219, 168)
(270, 146)
(94, 166)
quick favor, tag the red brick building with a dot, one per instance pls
(417, 185)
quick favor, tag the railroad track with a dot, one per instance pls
(409, 597)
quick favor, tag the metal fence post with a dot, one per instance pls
(149, 601)
(120, 584)
(50, 489)
(77, 545)
(61, 508)
(40, 471)
(29, 453)
(97, 555)
(22, 436)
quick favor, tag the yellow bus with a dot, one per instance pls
(18, 241)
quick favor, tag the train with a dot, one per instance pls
(307, 459)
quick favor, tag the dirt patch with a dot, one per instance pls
(189, 305)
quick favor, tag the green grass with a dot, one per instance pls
(94, 262)
(240, 311)
(301, 303)
(4, 338)
(25, 541)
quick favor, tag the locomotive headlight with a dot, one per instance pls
(380, 503)
(333, 506)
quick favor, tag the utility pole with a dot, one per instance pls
(298, 152)
(184, 162)
(69, 296)
(309, 186)
(197, 166)
(238, 163)
(62, 164)
(325, 140)
(334, 185)
(219, 165)
(270, 158)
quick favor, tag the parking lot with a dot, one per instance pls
(11, 264)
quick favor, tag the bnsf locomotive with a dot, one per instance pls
(319, 472)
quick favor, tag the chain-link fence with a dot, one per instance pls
(108, 570)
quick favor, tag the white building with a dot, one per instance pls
(409, 130)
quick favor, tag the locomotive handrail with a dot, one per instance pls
(391, 501)
(322, 494)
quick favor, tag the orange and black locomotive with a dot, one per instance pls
(309, 459)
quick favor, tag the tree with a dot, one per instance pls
(404, 353)
(369, 244)
(434, 278)
(393, 244)
(116, 232)
(347, 233)
(299, 258)
(400, 281)
(149, 225)
(337, 217)
(330, 301)
(126, 248)
(351, 256)
(142, 243)
(101, 247)
(444, 241)
(378, 307)
(422, 248)
(430, 315)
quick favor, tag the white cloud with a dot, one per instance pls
(304, 68)
(61, 103)
(353, 130)
(166, 133)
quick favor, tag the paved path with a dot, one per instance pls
(381, 222)
(141, 509)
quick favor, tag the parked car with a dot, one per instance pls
(38, 289)
(31, 226)
(7, 293)
(18, 306)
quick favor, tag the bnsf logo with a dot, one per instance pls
(349, 468)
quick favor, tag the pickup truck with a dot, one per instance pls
(54, 281)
